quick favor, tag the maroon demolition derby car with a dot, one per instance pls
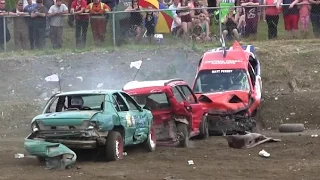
(176, 111)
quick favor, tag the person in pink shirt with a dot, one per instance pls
(272, 18)
(304, 15)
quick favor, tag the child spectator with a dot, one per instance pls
(201, 30)
(56, 23)
(29, 8)
(150, 24)
(230, 25)
(39, 24)
(97, 11)
(20, 27)
(315, 17)
(304, 15)
(82, 22)
(251, 17)
(290, 17)
(272, 18)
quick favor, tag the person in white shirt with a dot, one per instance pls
(176, 23)
(56, 23)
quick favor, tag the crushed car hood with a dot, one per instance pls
(225, 101)
(65, 118)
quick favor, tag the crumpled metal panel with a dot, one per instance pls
(56, 155)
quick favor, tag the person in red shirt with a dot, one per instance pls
(272, 18)
(97, 11)
(82, 21)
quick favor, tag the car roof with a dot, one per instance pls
(147, 84)
(102, 91)
(234, 57)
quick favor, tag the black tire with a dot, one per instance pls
(204, 128)
(183, 129)
(41, 159)
(114, 146)
(288, 128)
(150, 143)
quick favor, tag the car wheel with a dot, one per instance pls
(41, 159)
(204, 128)
(114, 146)
(182, 130)
(151, 143)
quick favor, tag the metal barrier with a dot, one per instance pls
(130, 27)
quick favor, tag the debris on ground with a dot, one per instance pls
(19, 156)
(190, 162)
(248, 140)
(264, 153)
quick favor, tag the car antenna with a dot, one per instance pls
(223, 44)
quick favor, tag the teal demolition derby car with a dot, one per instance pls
(104, 119)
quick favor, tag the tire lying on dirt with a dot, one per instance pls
(114, 146)
(287, 128)
(183, 129)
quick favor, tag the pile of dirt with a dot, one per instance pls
(289, 72)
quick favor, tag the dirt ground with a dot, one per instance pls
(291, 94)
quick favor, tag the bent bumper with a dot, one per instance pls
(76, 144)
(49, 150)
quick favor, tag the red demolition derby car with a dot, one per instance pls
(228, 85)
(177, 114)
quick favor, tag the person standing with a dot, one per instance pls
(82, 22)
(56, 23)
(29, 9)
(251, 17)
(272, 18)
(3, 12)
(20, 27)
(315, 17)
(290, 17)
(97, 12)
(38, 18)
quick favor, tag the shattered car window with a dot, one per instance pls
(155, 101)
(76, 102)
(221, 80)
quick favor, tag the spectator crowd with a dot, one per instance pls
(35, 21)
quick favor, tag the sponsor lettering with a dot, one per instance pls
(223, 62)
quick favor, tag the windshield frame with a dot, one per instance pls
(218, 91)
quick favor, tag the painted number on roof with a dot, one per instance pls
(222, 71)
(223, 62)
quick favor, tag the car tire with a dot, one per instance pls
(183, 129)
(114, 146)
(41, 159)
(289, 128)
(204, 128)
(151, 143)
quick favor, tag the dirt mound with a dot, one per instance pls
(289, 72)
